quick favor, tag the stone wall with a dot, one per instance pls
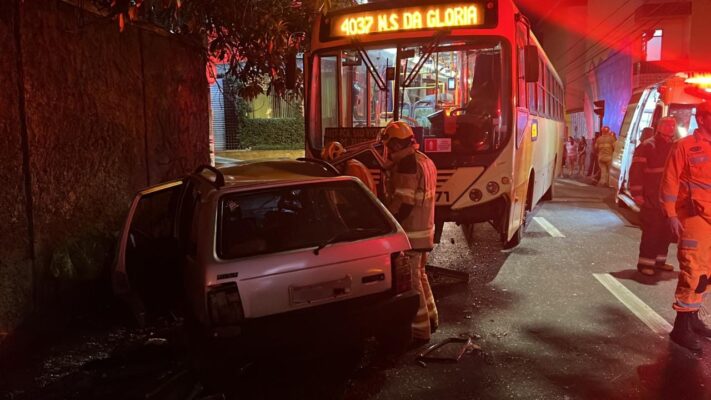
(15, 257)
(107, 113)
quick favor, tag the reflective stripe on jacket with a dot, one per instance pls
(646, 170)
(687, 177)
(413, 181)
(357, 169)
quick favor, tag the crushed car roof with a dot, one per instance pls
(251, 172)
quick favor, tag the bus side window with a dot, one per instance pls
(521, 98)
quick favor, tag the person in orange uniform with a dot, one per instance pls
(351, 167)
(411, 184)
(686, 197)
(645, 178)
(605, 146)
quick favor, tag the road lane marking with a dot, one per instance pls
(645, 313)
(576, 183)
(552, 230)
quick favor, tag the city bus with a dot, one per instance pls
(676, 96)
(470, 77)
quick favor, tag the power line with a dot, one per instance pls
(584, 74)
(603, 49)
(598, 25)
(576, 60)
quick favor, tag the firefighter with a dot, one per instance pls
(645, 177)
(351, 167)
(411, 184)
(605, 146)
(686, 197)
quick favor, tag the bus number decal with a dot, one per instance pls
(357, 25)
(440, 195)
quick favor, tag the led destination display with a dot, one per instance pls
(409, 18)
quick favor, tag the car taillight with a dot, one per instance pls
(224, 304)
(402, 276)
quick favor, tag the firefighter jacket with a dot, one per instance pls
(686, 183)
(359, 170)
(646, 171)
(413, 181)
(605, 146)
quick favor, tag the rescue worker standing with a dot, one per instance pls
(411, 184)
(645, 178)
(605, 146)
(351, 167)
(686, 196)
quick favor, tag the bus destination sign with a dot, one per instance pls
(408, 19)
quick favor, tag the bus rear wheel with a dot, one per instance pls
(548, 195)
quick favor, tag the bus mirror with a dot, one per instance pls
(532, 62)
(351, 58)
(409, 53)
(290, 80)
(390, 74)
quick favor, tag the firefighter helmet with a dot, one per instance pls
(396, 130)
(332, 151)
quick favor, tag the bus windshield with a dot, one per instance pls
(451, 93)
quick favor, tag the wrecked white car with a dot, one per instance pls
(267, 250)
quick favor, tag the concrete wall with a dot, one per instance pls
(107, 113)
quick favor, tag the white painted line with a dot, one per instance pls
(576, 183)
(552, 230)
(645, 313)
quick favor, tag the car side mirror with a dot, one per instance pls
(532, 62)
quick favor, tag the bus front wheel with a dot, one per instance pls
(515, 239)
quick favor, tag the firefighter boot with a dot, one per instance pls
(683, 334)
(698, 326)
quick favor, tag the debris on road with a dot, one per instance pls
(438, 351)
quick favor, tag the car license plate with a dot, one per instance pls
(320, 291)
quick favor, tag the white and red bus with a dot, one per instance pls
(484, 101)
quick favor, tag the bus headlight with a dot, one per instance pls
(492, 187)
(475, 195)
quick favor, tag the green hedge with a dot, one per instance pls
(272, 134)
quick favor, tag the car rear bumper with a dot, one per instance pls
(361, 317)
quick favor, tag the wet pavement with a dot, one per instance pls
(546, 325)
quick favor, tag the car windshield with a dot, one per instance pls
(452, 94)
(297, 217)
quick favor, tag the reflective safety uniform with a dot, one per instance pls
(359, 170)
(605, 146)
(645, 178)
(686, 194)
(412, 181)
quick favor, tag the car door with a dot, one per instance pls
(149, 252)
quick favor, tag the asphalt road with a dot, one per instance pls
(562, 316)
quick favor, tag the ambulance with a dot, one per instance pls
(676, 97)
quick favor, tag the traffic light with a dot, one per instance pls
(599, 108)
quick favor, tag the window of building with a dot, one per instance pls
(653, 45)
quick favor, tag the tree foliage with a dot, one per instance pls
(255, 37)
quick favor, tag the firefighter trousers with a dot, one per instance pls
(604, 171)
(426, 319)
(694, 256)
(656, 237)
